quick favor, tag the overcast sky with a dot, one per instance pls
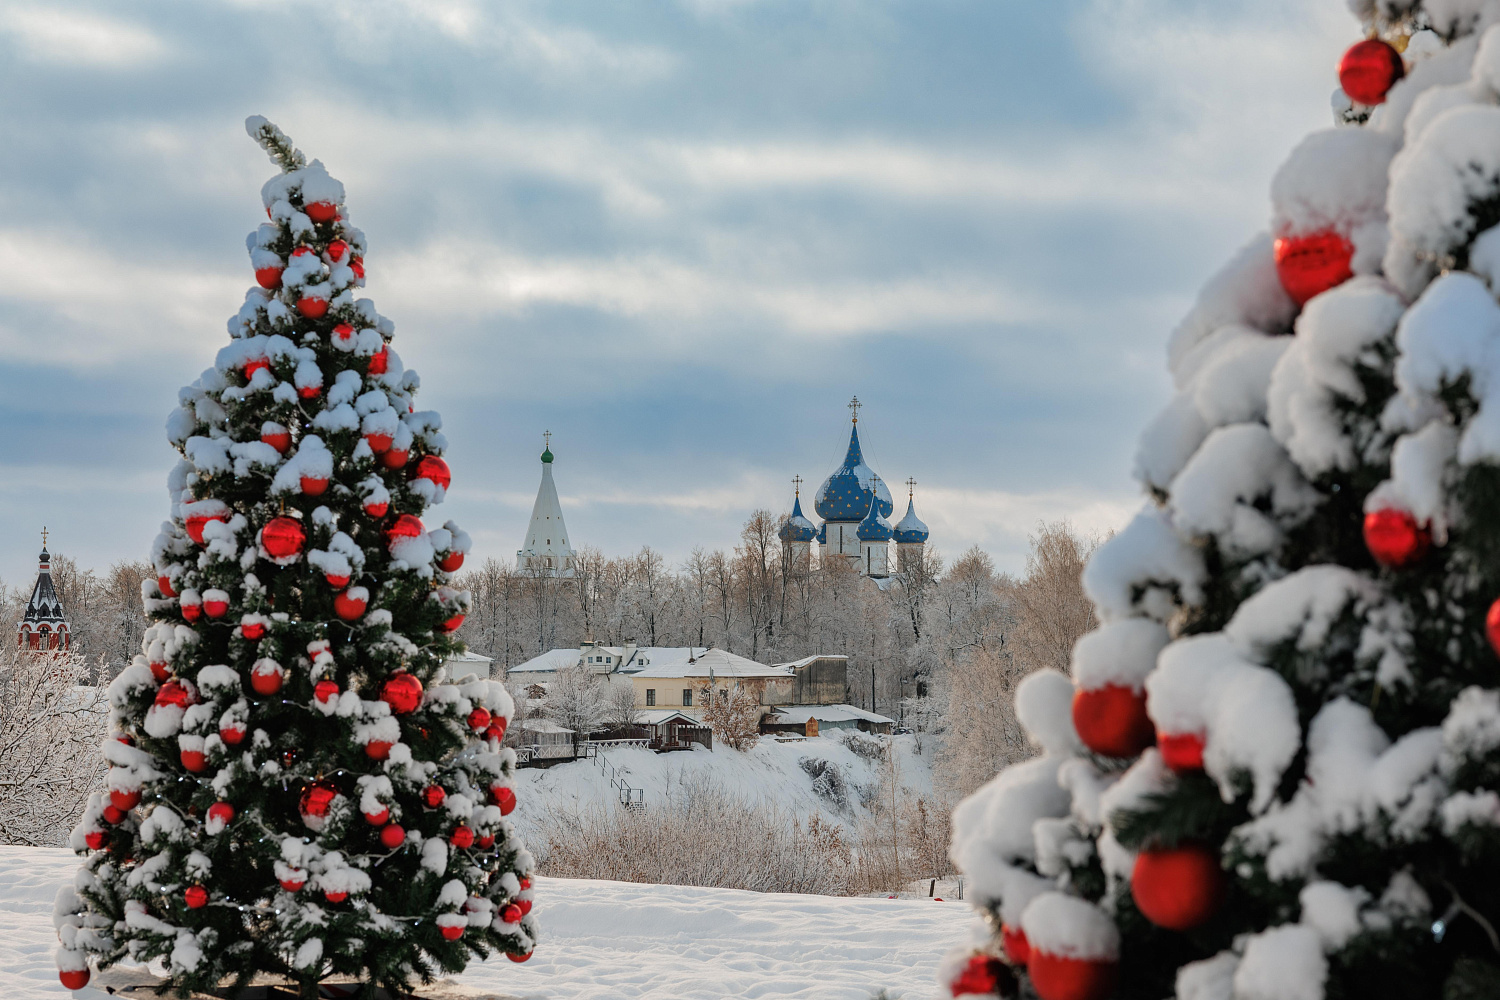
(679, 235)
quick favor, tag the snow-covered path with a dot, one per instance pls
(611, 940)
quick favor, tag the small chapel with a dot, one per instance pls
(44, 624)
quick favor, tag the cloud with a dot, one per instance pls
(51, 34)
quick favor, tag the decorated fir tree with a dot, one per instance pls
(295, 786)
(1273, 773)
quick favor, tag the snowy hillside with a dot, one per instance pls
(610, 939)
(770, 771)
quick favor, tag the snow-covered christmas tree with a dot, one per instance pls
(294, 787)
(1273, 773)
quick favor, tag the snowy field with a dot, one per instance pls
(611, 940)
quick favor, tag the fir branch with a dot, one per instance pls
(276, 144)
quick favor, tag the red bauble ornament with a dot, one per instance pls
(405, 526)
(1368, 71)
(335, 897)
(378, 749)
(254, 365)
(378, 818)
(95, 839)
(233, 735)
(1177, 888)
(159, 671)
(343, 333)
(1112, 720)
(525, 882)
(309, 391)
(451, 625)
(349, 608)
(524, 904)
(312, 307)
(392, 836)
(196, 523)
(194, 760)
(395, 458)
(1013, 940)
(433, 796)
(403, 692)
(253, 631)
(264, 681)
(321, 211)
(123, 800)
(301, 251)
(461, 836)
(336, 250)
(377, 510)
(1395, 538)
(518, 958)
(325, 691)
(1056, 977)
(432, 468)
(294, 883)
(379, 442)
(316, 800)
(452, 932)
(164, 584)
(511, 914)
(497, 727)
(479, 719)
(73, 979)
(283, 537)
(487, 840)
(338, 582)
(504, 797)
(221, 811)
(174, 693)
(269, 277)
(191, 612)
(357, 265)
(983, 975)
(112, 815)
(1312, 263)
(214, 607)
(314, 486)
(280, 440)
(452, 562)
(1181, 751)
(1492, 626)
(380, 362)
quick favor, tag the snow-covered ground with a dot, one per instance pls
(610, 940)
(770, 771)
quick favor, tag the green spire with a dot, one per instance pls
(547, 448)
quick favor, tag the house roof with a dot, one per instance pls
(827, 713)
(659, 661)
(713, 661)
(469, 656)
(794, 664)
(661, 716)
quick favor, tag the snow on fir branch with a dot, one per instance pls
(276, 143)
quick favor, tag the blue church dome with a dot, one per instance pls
(823, 533)
(797, 527)
(875, 528)
(910, 528)
(846, 495)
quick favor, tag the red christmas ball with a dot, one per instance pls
(321, 211)
(1368, 71)
(283, 537)
(479, 719)
(164, 584)
(254, 365)
(524, 904)
(343, 333)
(511, 914)
(266, 680)
(1177, 888)
(461, 836)
(336, 250)
(378, 818)
(314, 486)
(73, 979)
(452, 562)
(380, 362)
(432, 468)
(335, 897)
(392, 836)
(433, 796)
(269, 277)
(378, 749)
(312, 307)
(405, 526)
(395, 458)
(487, 840)
(252, 630)
(1181, 751)
(451, 625)
(112, 815)
(233, 734)
(517, 958)
(337, 581)
(452, 932)
(357, 265)
(194, 760)
(1492, 626)
(379, 442)
(1112, 720)
(497, 727)
(309, 391)
(504, 797)
(983, 975)
(525, 882)
(223, 812)
(349, 608)
(215, 608)
(403, 692)
(317, 799)
(175, 693)
(280, 440)
(1312, 263)
(325, 691)
(159, 670)
(1056, 977)
(95, 839)
(377, 510)
(294, 883)
(1013, 940)
(196, 523)
(1394, 538)
(125, 800)
(191, 612)
(302, 251)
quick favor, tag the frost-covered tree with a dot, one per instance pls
(294, 787)
(1273, 773)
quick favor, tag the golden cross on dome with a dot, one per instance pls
(911, 488)
(44, 536)
(797, 483)
(547, 440)
(854, 405)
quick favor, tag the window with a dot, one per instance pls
(650, 697)
(687, 697)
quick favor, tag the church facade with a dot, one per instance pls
(44, 625)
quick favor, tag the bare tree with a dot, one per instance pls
(733, 713)
(619, 706)
(575, 700)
